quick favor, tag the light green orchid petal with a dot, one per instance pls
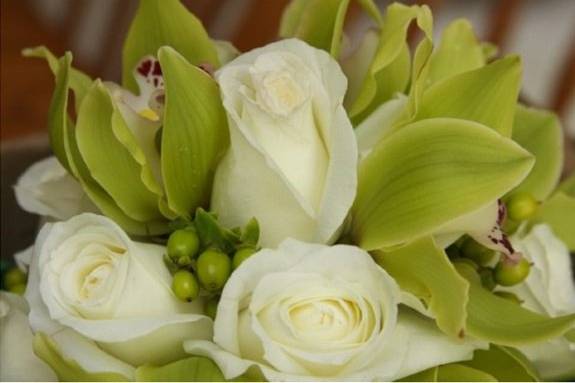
(487, 95)
(109, 162)
(559, 213)
(165, 22)
(195, 133)
(424, 270)
(429, 173)
(568, 185)
(429, 375)
(389, 69)
(539, 132)
(79, 81)
(506, 364)
(461, 373)
(459, 51)
(67, 369)
(501, 321)
(193, 369)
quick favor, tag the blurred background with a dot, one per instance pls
(541, 31)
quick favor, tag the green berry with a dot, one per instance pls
(509, 296)
(158, 140)
(183, 243)
(214, 269)
(521, 206)
(509, 273)
(185, 286)
(477, 252)
(211, 307)
(14, 277)
(241, 255)
(465, 261)
(19, 288)
(487, 279)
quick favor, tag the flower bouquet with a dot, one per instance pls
(306, 211)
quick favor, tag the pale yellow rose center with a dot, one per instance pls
(280, 93)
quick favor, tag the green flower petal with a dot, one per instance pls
(193, 369)
(504, 363)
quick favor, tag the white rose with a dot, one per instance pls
(17, 359)
(314, 312)
(549, 289)
(292, 162)
(47, 189)
(105, 300)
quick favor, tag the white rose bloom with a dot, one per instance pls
(549, 289)
(17, 359)
(105, 300)
(292, 162)
(47, 189)
(314, 312)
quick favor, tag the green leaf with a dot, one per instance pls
(429, 375)
(195, 133)
(559, 213)
(501, 321)
(459, 51)
(459, 373)
(192, 369)
(317, 22)
(424, 270)
(504, 363)
(429, 173)
(487, 95)
(165, 22)
(108, 160)
(540, 133)
(211, 233)
(66, 369)
(389, 69)
(79, 81)
(251, 233)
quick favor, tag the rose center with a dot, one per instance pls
(324, 319)
(280, 93)
(95, 281)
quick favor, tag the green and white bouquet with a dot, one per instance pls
(302, 211)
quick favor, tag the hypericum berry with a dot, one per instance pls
(19, 288)
(211, 307)
(14, 277)
(477, 252)
(521, 207)
(241, 255)
(509, 272)
(509, 296)
(214, 269)
(183, 243)
(466, 261)
(487, 279)
(185, 286)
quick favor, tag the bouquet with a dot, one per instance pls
(306, 210)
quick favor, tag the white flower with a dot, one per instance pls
(105, 300)
(314, 312)
(549, 289)
(47, 189)
(292, 162)
(17, 359)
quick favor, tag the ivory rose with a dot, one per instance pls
(106, 300)
(313, 312)
(292, 162)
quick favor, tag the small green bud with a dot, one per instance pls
(509, 273)
(19, 288)
(487, 279)
(466, 261)
(14, 277)
(241, 255)
(509, 296)
(477, 252)
(185, 286)
(183, 243)
(211, 307)
(521, 206)
(214, 269)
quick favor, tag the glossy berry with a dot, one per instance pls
(185, 286)
(211, 307)
(19, 288)
(509, 296)
(508, 273)
(214, 269)
(487, 279)
(183, 243)
(465, 261)
(14, 277)
(477, 252)
(521, 206)
(241, 255)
